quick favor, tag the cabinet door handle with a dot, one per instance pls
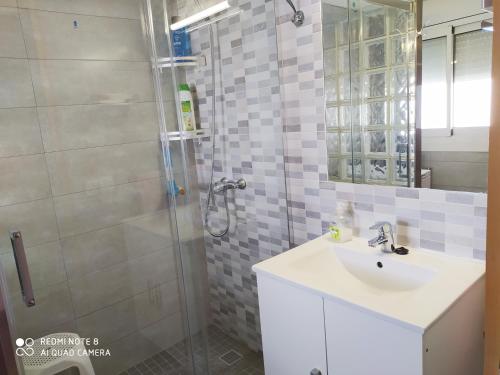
(22, 268)
(315, 371)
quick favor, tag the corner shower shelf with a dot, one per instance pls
(195, 134)
(181, 61)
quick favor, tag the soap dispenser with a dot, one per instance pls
(341, 228)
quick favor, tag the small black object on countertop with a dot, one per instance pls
(400, 250)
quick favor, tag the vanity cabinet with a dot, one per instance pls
(293, 329)
(306, 333)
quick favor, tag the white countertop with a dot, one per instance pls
(316, 266)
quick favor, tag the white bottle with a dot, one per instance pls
(187, 108)
(341, 229)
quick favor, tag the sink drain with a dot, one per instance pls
(380, 265)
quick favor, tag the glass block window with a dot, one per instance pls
(369, 57)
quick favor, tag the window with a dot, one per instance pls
(434, 84)
(456, 78)
(472, 83)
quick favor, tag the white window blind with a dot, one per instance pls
(472, 81)
(434, 85)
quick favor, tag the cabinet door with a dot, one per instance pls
(358, 342)
(293, 330)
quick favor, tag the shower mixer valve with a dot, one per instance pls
(221, 187)
(224, 185)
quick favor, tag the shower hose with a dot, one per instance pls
(211, 193)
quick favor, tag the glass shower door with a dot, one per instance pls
(233, 75)
(239, 136)
(179, 157)
(89, 242)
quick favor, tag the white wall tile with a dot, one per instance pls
(65, 82)
(45, 263)
(8, 3)
(11, 42)
(53, 309)
(51, 35)
(82, 126)
(122, 281)
(131, 314)
(93, 251)
(16, 89)
(36, 220)
(20, 132)
(96, 209)
(24, 178)
(92, 168)
(108, 8)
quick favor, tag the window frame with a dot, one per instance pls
(449, 30)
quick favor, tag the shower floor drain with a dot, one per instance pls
(230, 357)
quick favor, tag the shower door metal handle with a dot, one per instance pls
(22, 268)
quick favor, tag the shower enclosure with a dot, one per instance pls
(103, 195)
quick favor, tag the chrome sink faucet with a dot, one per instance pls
(385, 237)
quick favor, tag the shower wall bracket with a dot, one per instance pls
(181, 61)
(185, 135)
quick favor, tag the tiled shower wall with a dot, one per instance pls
(437, 220)
(249, 144)
(82, 177)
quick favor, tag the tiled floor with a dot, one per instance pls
(174, 361)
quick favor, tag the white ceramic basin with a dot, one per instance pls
(386, 274)
(413, 289)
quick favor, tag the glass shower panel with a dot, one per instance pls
(236, 91)
(86, 181)
(184, 193)
(248, 145)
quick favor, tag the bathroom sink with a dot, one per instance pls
(386, 274)
(413, 290)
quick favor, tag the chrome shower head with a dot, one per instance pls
(298, 15)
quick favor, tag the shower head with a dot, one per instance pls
(298, 15)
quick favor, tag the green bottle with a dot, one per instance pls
(187, 107)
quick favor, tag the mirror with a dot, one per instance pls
(392, 121)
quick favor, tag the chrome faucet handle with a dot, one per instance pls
(382, 226)
(384, 229)
(241, 184)
(219, 186)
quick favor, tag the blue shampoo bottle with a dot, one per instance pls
(181, 40)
